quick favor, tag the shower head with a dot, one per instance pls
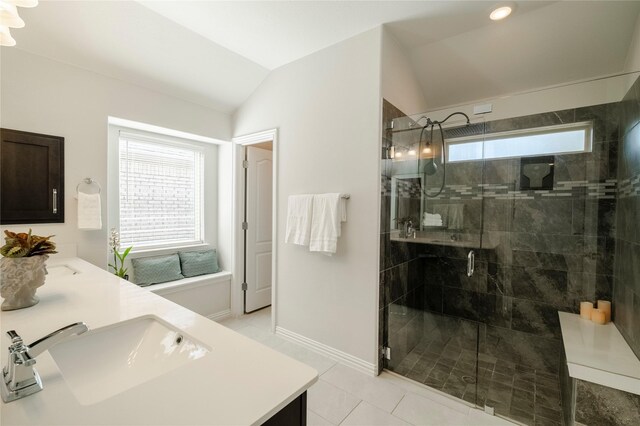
(430, 168)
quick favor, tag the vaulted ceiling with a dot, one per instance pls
(216, 53)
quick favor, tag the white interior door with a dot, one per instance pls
(258, 233)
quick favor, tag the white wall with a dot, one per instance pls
(326, 107)
(44, 96)
(633, 57)
(399, 83)
(574, 95)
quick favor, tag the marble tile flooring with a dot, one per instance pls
(344, 396)
(521, 393)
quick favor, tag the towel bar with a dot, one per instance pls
(89, 181)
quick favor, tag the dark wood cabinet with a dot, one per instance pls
(31, 178)
(294, 414)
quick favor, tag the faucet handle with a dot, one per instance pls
(20, 350)
(15, 337)
(17, 344)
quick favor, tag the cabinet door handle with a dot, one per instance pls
(55, 201)
(471, 263)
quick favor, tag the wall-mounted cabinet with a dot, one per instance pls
(31, 178)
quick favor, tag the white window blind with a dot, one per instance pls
(161, 192)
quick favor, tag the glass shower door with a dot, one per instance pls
(433, 264)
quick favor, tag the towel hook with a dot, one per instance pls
(89, 181)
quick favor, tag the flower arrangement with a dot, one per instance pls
(26, 245)
(114, 244)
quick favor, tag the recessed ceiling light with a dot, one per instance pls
(500, 13)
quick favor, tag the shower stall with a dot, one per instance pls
(489, 227)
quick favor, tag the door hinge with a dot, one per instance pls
(245, 226)
(386, 352)
(245, 164)
(244, 286)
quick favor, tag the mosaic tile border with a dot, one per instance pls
(629, 187)
(606, 190)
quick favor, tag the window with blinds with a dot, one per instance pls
(161, 192)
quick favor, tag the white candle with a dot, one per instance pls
(585, 310)
(605, 306)
(598, 316)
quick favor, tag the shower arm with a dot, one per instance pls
(429, 123)
(436, 122)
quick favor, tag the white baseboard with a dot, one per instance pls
(219, 316)
(328, 351)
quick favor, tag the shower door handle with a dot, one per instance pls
(471, 263)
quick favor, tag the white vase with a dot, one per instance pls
(19, 279)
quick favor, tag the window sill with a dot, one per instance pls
(167, 250)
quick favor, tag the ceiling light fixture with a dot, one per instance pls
(500, 13)
(5, 37)
(22, 3)
(9, 18)
(9, 15)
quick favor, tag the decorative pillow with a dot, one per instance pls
(157, 269)
(198, 262)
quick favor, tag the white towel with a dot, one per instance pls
(299, 211)
(89, 211)
(456, 216)
(429, 219)
(328, 212)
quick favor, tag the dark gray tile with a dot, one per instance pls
(541, 421)
(605, 406)
(548, 413)
(536, 318)
(547, 243)
(524, 385)
(502, 378)
(396, 282)
(537, 284)
(522, 348)
(551, 216)
(495, 309)
(605, 118)
(462, 304)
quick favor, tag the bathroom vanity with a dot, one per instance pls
(145, 361)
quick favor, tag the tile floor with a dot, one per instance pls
(344, 396)
(516, 391)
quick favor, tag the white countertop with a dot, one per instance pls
(240, 382)
(599, 354)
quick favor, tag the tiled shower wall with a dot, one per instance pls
(542, 250)
(627, 265)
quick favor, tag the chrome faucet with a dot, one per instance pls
(410, 231)
(19, 377)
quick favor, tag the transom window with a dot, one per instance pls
(161, 192)
(562, 139)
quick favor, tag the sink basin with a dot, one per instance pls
(104, 362)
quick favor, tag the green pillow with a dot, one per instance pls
(157, 269)
(198, 262)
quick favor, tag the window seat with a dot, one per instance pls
(208, 295)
